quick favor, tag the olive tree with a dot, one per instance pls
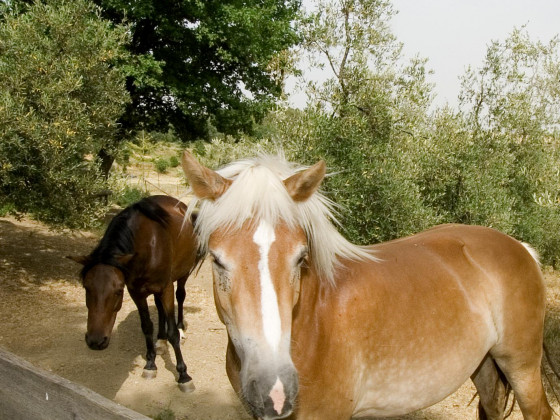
(364, 119)
(63, 90)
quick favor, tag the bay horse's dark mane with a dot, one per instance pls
(119, 237)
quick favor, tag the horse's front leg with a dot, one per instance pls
(167, 299)
(150, 370)
(161, 343)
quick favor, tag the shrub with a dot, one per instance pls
(162, 165)
(130, 195)
(62, 93)
(173, 161)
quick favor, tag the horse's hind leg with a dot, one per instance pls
(181, 294)
(161, 343)
(492, 390)
(526, 381)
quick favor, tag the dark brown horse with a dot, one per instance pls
(147, 247)
(322, 329)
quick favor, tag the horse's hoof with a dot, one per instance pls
(182, 334)
(161, 347)
(187, 387)
(149, 374)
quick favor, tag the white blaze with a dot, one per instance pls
(264, 237)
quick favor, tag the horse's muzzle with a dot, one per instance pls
(97, 343)
(272, 396)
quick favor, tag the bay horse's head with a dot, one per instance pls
(266, 228)
(104, 285)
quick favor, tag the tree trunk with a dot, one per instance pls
(106, 162)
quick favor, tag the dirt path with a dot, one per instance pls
(43, 318)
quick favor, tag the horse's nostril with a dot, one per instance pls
(253, 390)
(97, 344)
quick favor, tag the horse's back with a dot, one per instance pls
(469, 251)
(491, 269)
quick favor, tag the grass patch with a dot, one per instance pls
(166, 414)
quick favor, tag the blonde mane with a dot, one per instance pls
(258, 193)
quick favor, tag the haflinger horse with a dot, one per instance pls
(320, 328)
(146, 247)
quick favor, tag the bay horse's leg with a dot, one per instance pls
(492, 390)
(181, 294)
(168, 301)
(150, 370)
(161, 343)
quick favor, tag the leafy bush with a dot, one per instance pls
(62, 93)
(399, 168)
(174, 161)
(511, 104)
(130, 195)
(162, 165)
(7, 209)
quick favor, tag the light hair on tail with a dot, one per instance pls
(533, 252)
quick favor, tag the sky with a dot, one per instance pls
(454, 34)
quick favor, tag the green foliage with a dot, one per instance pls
(162, 165)
(461, 177)
(60, 100)
(166, 414)
(204, 55)
(7, 209)
(174, 161)
(130, 195)
(372, 179)
(363, 121)
(398, 167)
(512, 103)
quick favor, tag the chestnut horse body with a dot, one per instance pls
(146, 247)
(322, 329)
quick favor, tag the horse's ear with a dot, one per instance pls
(124, 259)
(80, 259)
(206, 183)
(302, 185)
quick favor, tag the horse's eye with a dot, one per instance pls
(119, 293)
(217, 263)
(302, 261)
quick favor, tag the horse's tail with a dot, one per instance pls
(534, 253)
(152, 210)
(481, 414)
